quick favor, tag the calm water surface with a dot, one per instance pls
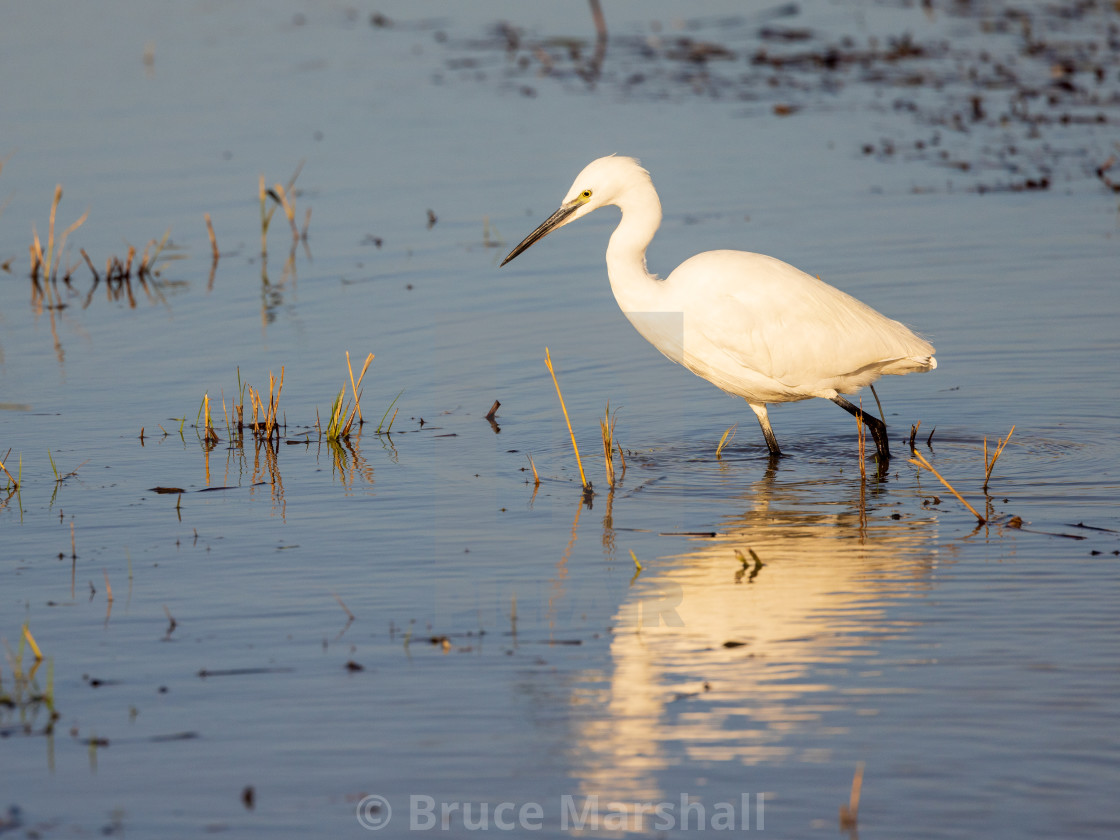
(504, 646)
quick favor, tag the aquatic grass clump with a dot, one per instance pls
(207, 424)
(265, 414)
(343, 413)
(58, 479)
(290, 212)
(727, 437)
(265, 406)
(266, 215)
(150, 258)
(606, 426)
(339, 425)
(990, 465)
(22, 695)
(13, 482)
(283, 196)
(381, 422)
(48, 266)
(119, 272)
(239, 406)
(47, 261)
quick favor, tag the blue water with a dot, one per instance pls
(505, 647)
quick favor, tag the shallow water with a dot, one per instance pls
(503, 648)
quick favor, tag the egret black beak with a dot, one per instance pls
(557, 219)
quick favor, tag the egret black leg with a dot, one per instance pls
(878, 427)
(767, 432)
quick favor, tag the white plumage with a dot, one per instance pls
(748, 323)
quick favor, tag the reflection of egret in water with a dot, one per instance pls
(714, 666)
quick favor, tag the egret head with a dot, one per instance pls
(602, 182)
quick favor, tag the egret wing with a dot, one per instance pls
(766, 317)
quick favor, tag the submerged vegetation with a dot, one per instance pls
(23, 700)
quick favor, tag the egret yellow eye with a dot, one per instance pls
(585, 195)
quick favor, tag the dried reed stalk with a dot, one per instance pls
(606, 425)
(849, 814)
(213, 239)
(919, 460)
(989, 466)
(583, 478)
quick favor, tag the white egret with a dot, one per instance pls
(752, 325)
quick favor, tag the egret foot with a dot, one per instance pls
(878, 427)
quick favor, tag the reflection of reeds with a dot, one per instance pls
(583, 478)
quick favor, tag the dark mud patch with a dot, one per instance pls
(1000, 96)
